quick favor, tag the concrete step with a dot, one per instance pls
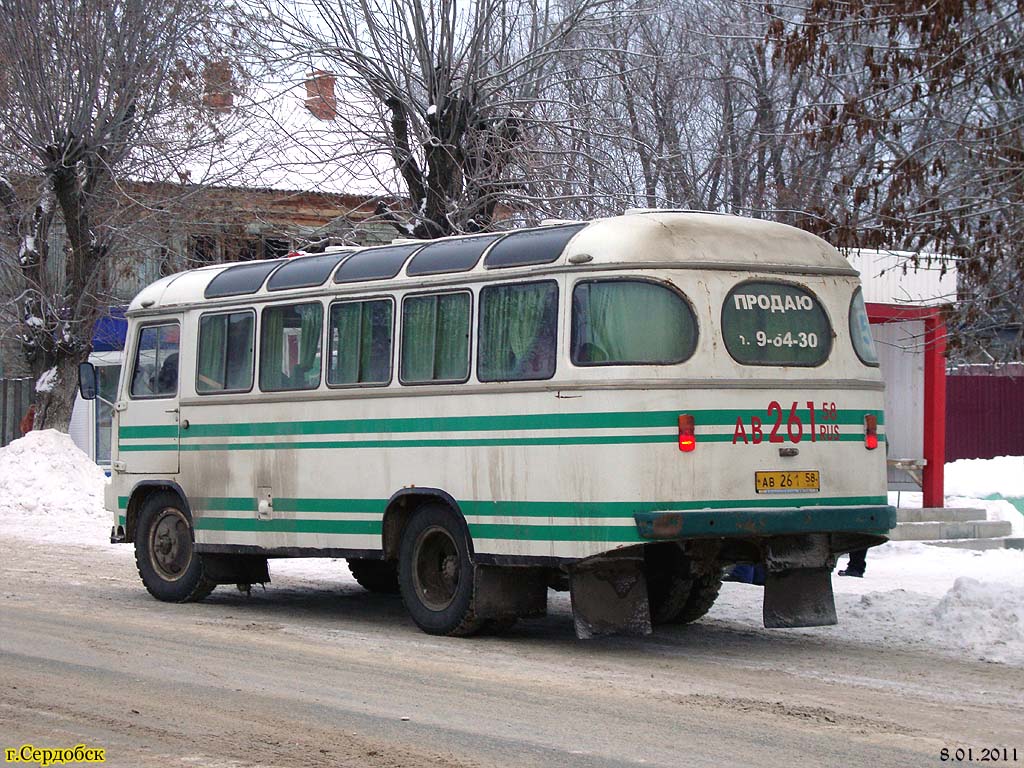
(932, 531)
(938, 514)
(980, 544)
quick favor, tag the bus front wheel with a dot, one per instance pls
(435, 573)
(165, 554)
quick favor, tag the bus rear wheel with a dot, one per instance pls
(379, 576)
(165, 554)
(435, 573)
(675, 595)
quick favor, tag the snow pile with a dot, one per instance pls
(915, 595)
(1003, 475)
(983, 618)
(50, 490)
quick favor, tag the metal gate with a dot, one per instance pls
(15, 397)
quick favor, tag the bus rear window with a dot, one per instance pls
(768, 323)
(630, 322)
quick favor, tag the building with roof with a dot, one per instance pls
(907, 296)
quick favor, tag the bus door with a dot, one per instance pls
(146, 415)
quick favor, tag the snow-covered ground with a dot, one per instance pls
(957, 601)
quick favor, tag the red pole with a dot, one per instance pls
(934, 410)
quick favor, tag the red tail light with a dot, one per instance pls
(687, 438)
(871, 432)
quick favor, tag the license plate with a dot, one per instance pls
(787, 482)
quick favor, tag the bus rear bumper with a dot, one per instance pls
(758, 523)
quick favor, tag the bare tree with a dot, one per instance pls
(443, 94)
(95, 93)
(922, 120)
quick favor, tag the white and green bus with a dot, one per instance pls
(620, 408)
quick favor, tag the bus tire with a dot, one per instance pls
(703, 593)
(379, 576)
(165, 554)
(435, 573)
(668, 582)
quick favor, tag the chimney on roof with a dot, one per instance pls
(320, 98)
(218, 94)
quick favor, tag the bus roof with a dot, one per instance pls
(655, 239)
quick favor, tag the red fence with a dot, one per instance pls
(984, 416)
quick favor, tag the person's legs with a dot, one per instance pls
(857, 564)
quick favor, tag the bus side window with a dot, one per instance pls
(225, 352)
(359, 342)
(630, 322)
(155, 373)
(290, 340)
(435, 338)
(518, 331)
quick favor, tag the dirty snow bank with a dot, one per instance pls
(983, 616)
(962, 602)
(51, 491)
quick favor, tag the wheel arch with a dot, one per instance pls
(403, 505)
(142, 491)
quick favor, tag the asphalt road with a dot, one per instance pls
(321, 673)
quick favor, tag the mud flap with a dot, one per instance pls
(798, 585)
(507, 593)
(799, 598)
(609, 597)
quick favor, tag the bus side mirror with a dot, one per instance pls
(87, 381)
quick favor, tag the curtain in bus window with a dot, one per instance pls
(435, 344)
(375, 357)
(290, 347)
(517, 331)
(272, 374)
(308, 375)
(240, 340)
(346, 320)
(451, 362)
(622, 321)
(360, 343)
(212, 363)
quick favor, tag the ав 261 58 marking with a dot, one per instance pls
(821, 427)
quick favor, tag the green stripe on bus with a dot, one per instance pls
(371, 527)
(628, 508)
(162, 430)
(538, 509)
(608, 533)
(475, 442)
(534, 421)
(579, 509)
(224, 503)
